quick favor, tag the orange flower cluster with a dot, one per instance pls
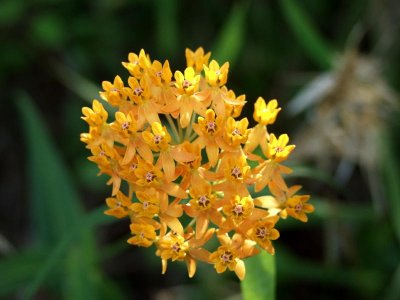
(183, 165)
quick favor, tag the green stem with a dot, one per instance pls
(189, 129)
(173, 128)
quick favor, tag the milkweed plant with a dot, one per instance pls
(183, 165)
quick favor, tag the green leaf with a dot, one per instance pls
(167, 26)
(393, 290)
(57, 216)
(307, 34)
(232, 35)
(259, 283)
(18, 269)
(77, 83)
(79, 250)
(48, 30)
(291, 268)
(11, 12)
(54, 201)
(391, 174)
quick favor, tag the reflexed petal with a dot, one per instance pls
(129, 154)
(200, 254)
(174, 190)
(266, 202)
(240, 269)
(201, 226)
(164, 266)
(212, 153)
(191, 266)
(116, 184)
(173, 223)
(168, 166)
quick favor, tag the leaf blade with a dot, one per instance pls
(259, 282)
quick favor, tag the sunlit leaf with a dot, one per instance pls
(259, 283)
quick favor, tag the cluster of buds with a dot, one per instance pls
(183, 167)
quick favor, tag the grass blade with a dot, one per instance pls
(18, 269)
(167, 26)
(232, 35)
(306, 34)
(391, 174)
(57, 216)
(54, 201)
(61, 250)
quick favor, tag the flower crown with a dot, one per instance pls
(183, 167)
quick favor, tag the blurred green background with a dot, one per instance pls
(333, 66)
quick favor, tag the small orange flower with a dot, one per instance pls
(208, 129)
(118, 206)
(148, 175)
(229, 255)
(197, 59)
(161, 73)
(96, 116)
(278, 149)
(203, 206)
(265, 114)
(187, 83)
(149, 204)
(137, 64)
(115, 92)
(297, 207)
(263, 232)
(236, 132)
(144, 234)
(216, 75)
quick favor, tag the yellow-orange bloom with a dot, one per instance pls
(216, 75)
(278, 149)
(197, 59)
(187, 83)
(144, 234)
(265, 114)
(118, 206)
(297, 207)
(263, 232)
(149, 204)
(115, 92)
(159, 138)
(96, 116)
(229, 255)
(236, 132)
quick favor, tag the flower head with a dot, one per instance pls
(183, 163)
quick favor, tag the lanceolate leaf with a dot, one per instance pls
(58, 221)
(306, 33)
(232, 35)
(54, 201)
